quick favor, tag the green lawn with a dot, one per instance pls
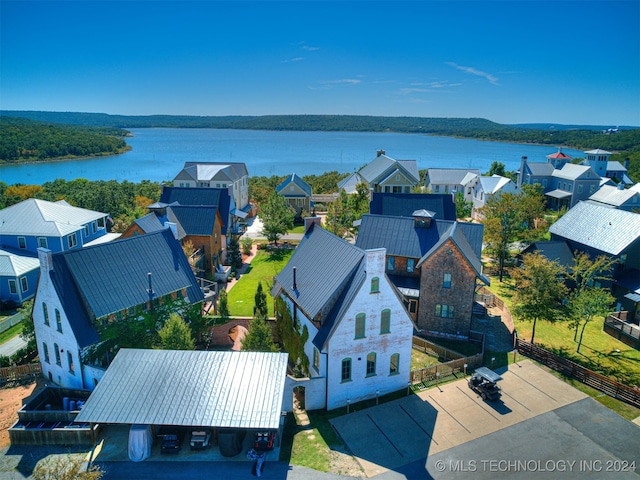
(262, 268)
(10, 333)
(420, 360)
(599, 352)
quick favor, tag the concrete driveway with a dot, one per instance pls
(408, 430)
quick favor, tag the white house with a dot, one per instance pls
(488, 187)
(81, 290)
(359, 333)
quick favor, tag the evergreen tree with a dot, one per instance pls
(176, 334)
(233, 252)
(259, 337)
(223, 306)
(277, 217)
(260, 303)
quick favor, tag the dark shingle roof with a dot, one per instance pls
(96, 281)
(404, 204)
(609, 230)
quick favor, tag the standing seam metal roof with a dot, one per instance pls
(190, 388)
(609, 230)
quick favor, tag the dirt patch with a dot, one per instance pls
(11, 400)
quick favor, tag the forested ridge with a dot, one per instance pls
(25, 140)
(625, 143)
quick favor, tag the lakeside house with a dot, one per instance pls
(384, 174)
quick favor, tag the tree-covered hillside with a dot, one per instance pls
(24, 140)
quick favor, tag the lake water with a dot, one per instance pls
(158, 154)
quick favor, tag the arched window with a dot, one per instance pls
(375, 285)
(45, 350)
(371, 364)
(58, 321)
(346, 370)
(385, 321)
(45, 311)
(57, 352)
(360, 325)
(394, 364)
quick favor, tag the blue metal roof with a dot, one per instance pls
(404, 204)
(400, 236)
(194, 220)
(557, 251)
(318, 280)
(212, 197)
(96, 281)
(296, 180)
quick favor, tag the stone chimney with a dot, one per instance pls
(308, 221)
(46, 260)
(380, 152)
(173, 227)
(376, 261)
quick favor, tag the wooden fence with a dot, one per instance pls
(612, 388)
(627, 333)
(431, 348)
(441, 371)
(19, 373)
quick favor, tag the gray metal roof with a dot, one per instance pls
(12, 265)
(400, 236)
(317, 278)
(296, 180)
(449, 176)
(349, 184)
(569, 171)
(557, 193)
(206, 171)
(612, 195)
(609, 230)
(540, 169)
(108, 278)
(190, 388)
(381, 166)
(404, 204)
(39, 217)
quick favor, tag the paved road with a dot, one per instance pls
(11, 346)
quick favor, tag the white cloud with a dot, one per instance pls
(473, 71)
(295, 59)
(309, 48)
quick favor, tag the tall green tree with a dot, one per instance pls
(339, 219)
(463, 208)
(277, 217)
(502, 222)
(223, 304)
(175, 334)
(585, 305)
(259, 337)
(497, 168)
(540, 290)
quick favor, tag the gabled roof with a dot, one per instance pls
(557, 251)
(609, 230)
(348, 184)
(150, 223)
(455, 234)
(614, 196)
(190, 388)
(193, 220)
(96, 281)
(559, 154)
(615, 167)
(382, 165)
(38, 217)
(404, 204)
(400, 236)
(296, 180)
(450, 176)
(319, 280)
(12, 265)
(540, 169)
(570, 171)
(212, 197)
(205, 171)
(494, 183)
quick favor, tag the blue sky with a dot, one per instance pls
(572, 62)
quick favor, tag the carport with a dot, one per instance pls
(191, 389)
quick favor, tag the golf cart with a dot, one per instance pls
(200, 439)
(483, 382)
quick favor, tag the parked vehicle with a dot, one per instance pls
(171, 442)
(483, 382)
(200, 439)
(263, 441)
